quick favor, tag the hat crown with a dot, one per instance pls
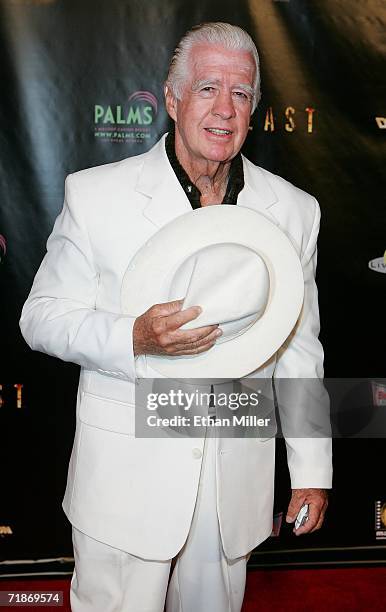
(229, 281)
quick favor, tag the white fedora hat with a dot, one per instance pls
(239, 267)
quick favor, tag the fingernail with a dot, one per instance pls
(219, 333)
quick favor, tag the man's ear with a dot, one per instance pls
(170, 103)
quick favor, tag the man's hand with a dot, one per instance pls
(157, 331)
(317, 500)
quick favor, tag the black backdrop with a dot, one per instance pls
(81, 85)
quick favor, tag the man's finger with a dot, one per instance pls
(294, 506)
(173, 321)
(197, 351)
(187, 340)
(191, 348)
(190, 339)
(321, 518)
(166, 309)
(318, 524)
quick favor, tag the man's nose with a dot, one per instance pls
(223, 105)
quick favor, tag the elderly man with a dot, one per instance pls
(140, 506)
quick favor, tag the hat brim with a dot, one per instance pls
(146, 281)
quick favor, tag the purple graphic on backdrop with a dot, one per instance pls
(144, 96)
(3, 247)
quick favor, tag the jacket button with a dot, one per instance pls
(197, 454)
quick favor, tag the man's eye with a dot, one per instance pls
(241, 94)
(208, 88)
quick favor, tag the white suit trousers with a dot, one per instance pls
(107, 579)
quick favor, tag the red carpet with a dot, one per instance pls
(325, 590)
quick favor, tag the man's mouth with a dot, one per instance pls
(219, 131)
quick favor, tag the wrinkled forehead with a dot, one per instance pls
(212, 61)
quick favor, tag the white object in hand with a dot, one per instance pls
(302, 517)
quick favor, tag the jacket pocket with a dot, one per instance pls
(108, 414)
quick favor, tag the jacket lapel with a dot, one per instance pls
(257, 193)
(167, 199)
(158, 182)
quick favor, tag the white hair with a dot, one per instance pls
(215, 33)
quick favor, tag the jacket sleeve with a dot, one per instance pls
(304, 401)
(60, 317)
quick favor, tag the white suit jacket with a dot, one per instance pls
(139, 494)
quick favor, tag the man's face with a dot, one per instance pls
(212, 118)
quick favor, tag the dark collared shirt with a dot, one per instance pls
(235, 180)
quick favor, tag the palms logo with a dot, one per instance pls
(378, 264)
(127, 122)
(141, 110)
(3, 247)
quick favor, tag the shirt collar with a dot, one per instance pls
(235, 178)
